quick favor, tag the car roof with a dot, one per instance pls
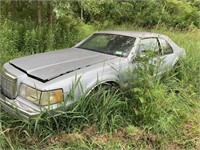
(131, 33)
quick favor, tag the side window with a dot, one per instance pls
(149, 44)
(166, 48)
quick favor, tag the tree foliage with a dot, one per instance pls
(174, 13)
(35, 26)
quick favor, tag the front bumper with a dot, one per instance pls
(14, 107)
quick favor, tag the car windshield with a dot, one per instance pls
(113, 44)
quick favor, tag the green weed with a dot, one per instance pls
(159, 112)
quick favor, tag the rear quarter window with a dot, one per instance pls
(165, 46)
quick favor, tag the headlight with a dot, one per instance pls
(51, 97)
(41, 97)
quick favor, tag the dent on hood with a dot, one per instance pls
(48, 66)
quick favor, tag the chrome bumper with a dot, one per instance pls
(12, 107)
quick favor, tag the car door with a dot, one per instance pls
(164, 55)
(149, 49)
(167, 54)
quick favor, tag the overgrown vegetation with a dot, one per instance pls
(160, 113)
(29, 27)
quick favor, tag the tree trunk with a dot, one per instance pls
(81, 9)
(39, 17)
(49, 14)
(82, 14)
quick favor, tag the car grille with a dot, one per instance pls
(8, 84)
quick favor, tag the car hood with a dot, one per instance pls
(49, 65)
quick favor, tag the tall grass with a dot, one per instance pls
(160, 112)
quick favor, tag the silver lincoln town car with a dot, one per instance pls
(33, 84)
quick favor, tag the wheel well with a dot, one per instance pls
(112, 83)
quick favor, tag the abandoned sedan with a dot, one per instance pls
(33, 84)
